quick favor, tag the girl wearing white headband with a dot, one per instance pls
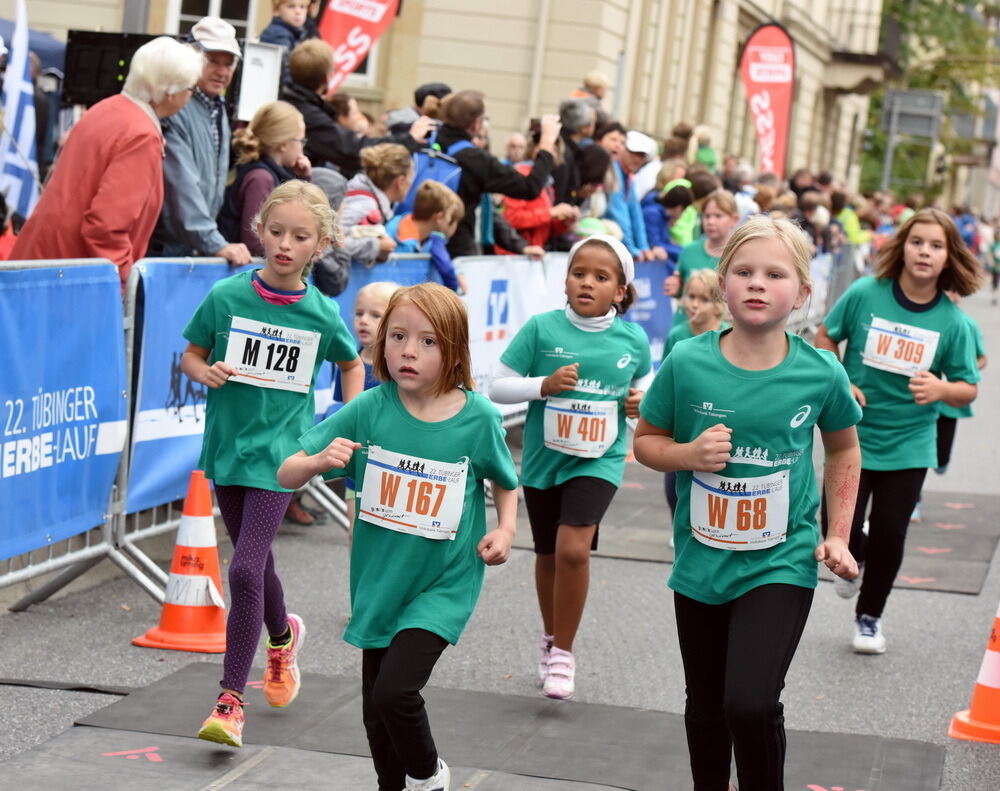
(583, 369)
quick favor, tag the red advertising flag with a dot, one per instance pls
(350, 27)
(768, 70)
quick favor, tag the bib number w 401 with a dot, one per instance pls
(739, 513)
(580, 428)
(410, 494)
(899, 348)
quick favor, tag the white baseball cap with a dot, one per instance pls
(639, 143)
(216, 35)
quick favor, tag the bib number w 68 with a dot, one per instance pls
(739, 513)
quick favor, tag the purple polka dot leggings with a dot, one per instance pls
(252, 518)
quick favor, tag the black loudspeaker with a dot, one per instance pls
(97, 63)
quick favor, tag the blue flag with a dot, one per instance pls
(18, 154)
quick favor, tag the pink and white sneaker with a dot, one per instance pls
(544, 648)
(558, 683)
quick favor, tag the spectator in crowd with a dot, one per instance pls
(7, 236)
(268, 153)
(577, 119)
(539, 219)
(844, 213)
(814, 218)
(595, 88)
(745, 191)
(43, 119)
(427, 229)
(106, 191)
(705, 154)
(730, 173)
(328, 142)
(802, 181)
(611, 137)
(623, 202)
(825, 183)
(347, 113)
(646, 163)
(426, 101)
(515, 148)
(287, 29)
(197, 156)
(681, 218)
(764, 197)
(675, 148)
(464, 116)
(387, 173)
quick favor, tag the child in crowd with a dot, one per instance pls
(704, 308)
(387, 172)
(584, 370)
(370, 304)
(268, 153)
(260, 399)
(288, 28)
(902, 334)
(718, 218)
(435, 216)
(421, 445)
(733, 412)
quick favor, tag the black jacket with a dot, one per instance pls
(566, 175)
(329, 143)
(482, 172)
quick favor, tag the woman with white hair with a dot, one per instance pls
(106, 187)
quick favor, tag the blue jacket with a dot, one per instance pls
(194, 182)
(624, 209)
(436, 245)
(281, 33)
(658, 226)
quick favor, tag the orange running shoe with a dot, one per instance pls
(225, 724)
(281, 679)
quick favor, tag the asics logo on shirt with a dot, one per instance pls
(625, 360)
(800, 417)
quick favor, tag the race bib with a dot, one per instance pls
(409, 494)
(580, 428)
(268, 355)
(739, 513)
(899, 348)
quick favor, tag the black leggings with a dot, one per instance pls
(945, 439)
(735, 658)
(399, 734)
(894, 494)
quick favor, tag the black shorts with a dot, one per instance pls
(576, 503)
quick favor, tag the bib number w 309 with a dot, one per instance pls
(899, 348)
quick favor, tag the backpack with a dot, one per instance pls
(332, 269)
(433, 163)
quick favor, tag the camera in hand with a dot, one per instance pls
(535, 130)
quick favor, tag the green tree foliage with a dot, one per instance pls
(943, 45)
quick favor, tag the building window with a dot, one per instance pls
(364, 75)
(241, 14)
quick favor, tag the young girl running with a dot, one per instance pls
(584, 370)
(902, 334)
(704, 308)
(718, 218)
(256, 342)
(421, 446)
(733, 411)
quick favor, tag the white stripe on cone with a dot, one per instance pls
(196, 531)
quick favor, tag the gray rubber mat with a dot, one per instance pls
(950, 549)
(578, 743)
(99, 758)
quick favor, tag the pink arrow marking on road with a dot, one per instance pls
(917, 580)
(933, 550)
(632, 485)
(150, 753)
(949, 525)
(959, 506)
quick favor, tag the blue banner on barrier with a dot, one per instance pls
(62, 397)
(404, 271)
(169, 408)
(652, 308)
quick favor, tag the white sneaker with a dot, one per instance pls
(848, 589)
(544, 648)
(561, 671)
(868, 635)
(441, 781)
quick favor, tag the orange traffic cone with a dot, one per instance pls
(981, 723)
(194, 612)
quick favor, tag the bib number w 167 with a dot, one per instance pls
(410, 494)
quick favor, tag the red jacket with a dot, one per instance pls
(532, 219)
(105, 193)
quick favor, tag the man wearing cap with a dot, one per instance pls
(196, 162)
(623, 202)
